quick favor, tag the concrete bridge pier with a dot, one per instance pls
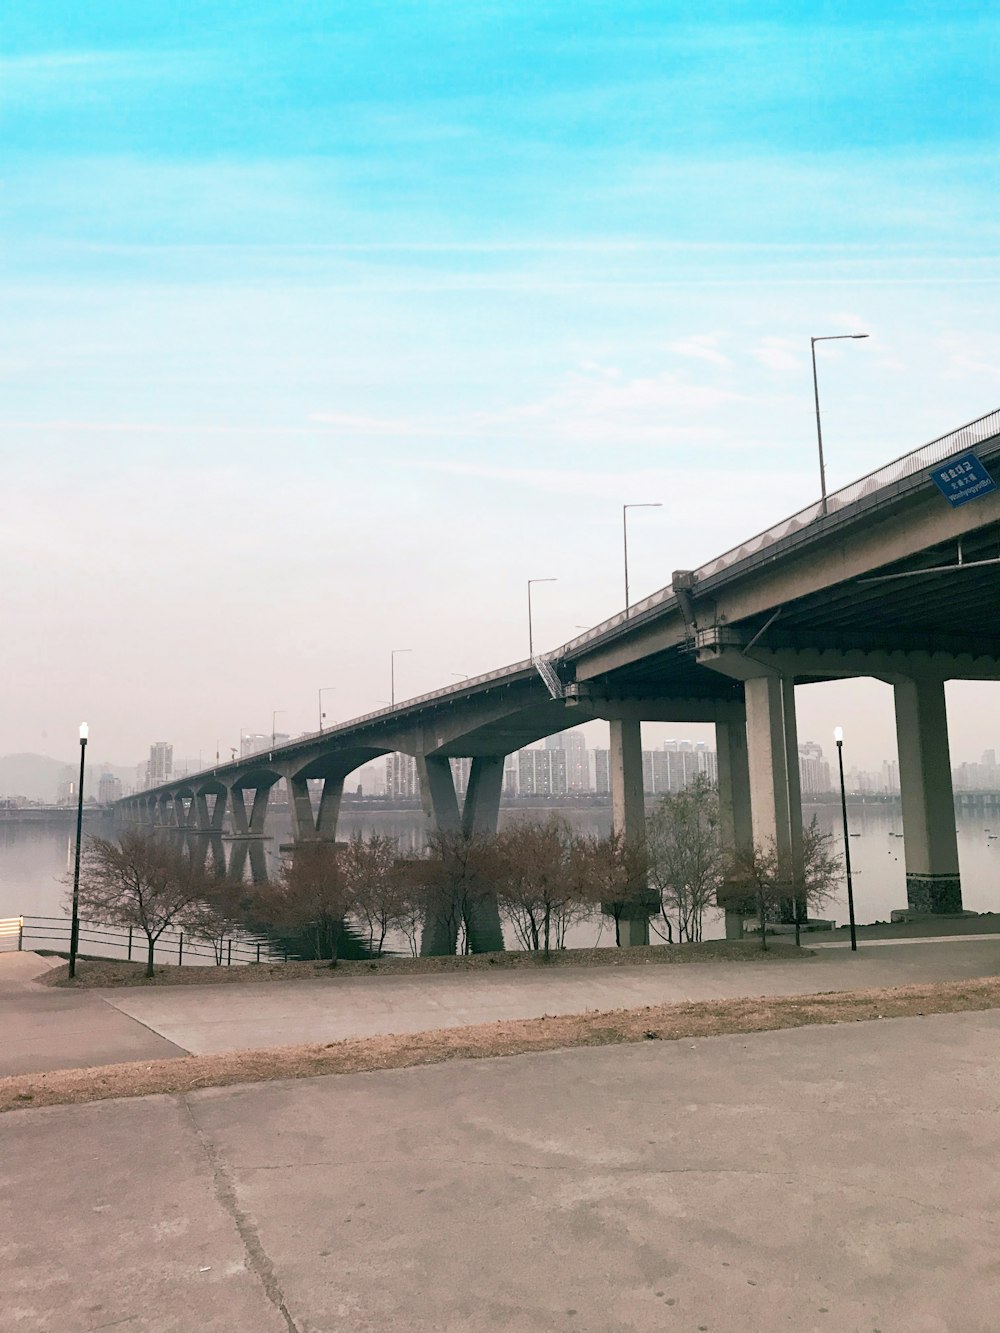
(734, 806)
(477, 817)
(930, 845)
(252, 825)
(773, 761)
(628, 815)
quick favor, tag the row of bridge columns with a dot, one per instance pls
(759, 793)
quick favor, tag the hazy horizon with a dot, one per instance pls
(323, 332)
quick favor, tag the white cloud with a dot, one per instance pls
(778, 354)
(702, 347)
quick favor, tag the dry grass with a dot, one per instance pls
(95, 972)
(667, 1022)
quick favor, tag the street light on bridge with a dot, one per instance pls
(827, 338)
(625, 509)
(531, 638)
(325, 690)
(392, 673)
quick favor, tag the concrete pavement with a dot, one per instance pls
(842, 1179)
(45, 1028)
(205, 1019)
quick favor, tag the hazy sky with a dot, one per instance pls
(326, 326)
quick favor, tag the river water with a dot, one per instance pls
(36, 860)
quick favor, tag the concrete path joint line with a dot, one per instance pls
(258, 1260)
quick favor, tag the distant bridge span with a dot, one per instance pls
(888, 580)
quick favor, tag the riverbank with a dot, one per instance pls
(109, 973)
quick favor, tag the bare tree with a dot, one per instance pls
(370, 868)
(535, 880)
(770, 881)
(687, 863)
(611, 871)
(312, 896)
(141, 882)
(456, 877)
(224, 908)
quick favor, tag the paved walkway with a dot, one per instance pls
(822, 1180)
(205, 1019)
(44, 1028)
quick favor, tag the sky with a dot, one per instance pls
(326, 326)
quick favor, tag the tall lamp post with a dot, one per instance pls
(274, 718)
(625, 509)
(392, 672)
(326, 689)
(531, 637)
(74, 929)
(827, 338)
(838, 736)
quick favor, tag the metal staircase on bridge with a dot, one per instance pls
(548, 674)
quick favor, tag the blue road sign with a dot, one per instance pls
(963, 479)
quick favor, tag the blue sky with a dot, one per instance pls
(325, 326)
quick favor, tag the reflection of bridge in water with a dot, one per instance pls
(886, 579)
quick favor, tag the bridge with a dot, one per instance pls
(884, 578)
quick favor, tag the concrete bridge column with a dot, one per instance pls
(300, 807)
(437, 790)
(482, 798)
(329, 807)
(933, 883)
(258, 812)
(628, 811)
(238, 803)
(773, 758)
(734, 805)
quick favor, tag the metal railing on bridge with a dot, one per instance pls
(917, 460)
(51, 934)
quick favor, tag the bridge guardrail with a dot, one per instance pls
(907, 465)
(173, 946)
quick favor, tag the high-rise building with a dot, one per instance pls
(814, 771)
(401, 776)
(574, 746)
(109, 788)
(541, 772)
(602, 771)
(161, 764)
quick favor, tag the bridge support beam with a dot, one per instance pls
(736, 823)
(773, 758)
(252, 825)
(482, 797)
(933, 883)
(628, 812)
(437, 790)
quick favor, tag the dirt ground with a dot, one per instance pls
(652, 1023)
(94, 972)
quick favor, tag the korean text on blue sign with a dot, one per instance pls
(963, 479)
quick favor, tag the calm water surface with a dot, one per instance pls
(36, 860)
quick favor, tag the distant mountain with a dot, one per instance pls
(37, 777)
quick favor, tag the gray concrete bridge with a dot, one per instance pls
(887, 580)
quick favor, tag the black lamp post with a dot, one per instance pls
(74, 929)
(838, 736)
